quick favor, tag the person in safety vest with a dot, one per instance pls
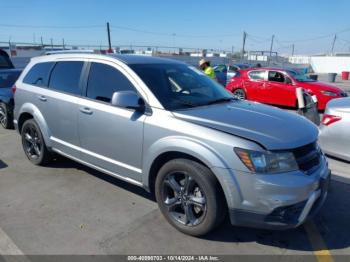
(208, 70)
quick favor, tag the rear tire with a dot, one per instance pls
(190, 197)
(33, 143)
(5, 117)
(239, 93)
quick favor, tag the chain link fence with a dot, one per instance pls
(21, 52)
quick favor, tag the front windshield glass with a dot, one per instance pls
(7, 79)
(300, 77)
(179, 86)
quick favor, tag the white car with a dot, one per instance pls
(335, 129)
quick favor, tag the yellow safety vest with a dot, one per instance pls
(209, 71)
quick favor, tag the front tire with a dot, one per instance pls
(33, 143)
(239, 93)
(190, 197)
(5, 118)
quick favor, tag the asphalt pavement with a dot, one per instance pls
(66, 208)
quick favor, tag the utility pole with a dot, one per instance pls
(333, 44)
(63, 44)
(41, 41)
(272, 39)
(51, 44)
(244, 40)
(109, 39)
(293, 49)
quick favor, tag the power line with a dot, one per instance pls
(259, 38)
(51, 26)
(170, 34)
(317, 37)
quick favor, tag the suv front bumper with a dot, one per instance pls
(278, 201)
(284, 217)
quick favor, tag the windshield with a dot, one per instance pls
(179, 86)
(300, 77)
(7, 79)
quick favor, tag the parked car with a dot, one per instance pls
(335, 129)
(8, 78)
(225, 72)
(277, 87)
(164, 126)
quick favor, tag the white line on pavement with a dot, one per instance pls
(7, 247)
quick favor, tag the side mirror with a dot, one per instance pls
(128, 99)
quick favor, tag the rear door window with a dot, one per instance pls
(104, 80)
(38, 75)
(65, 77)
(257, 75)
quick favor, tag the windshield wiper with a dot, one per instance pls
(220, 100)
(184, 102)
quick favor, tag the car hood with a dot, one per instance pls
(320, 86)
(270, 127)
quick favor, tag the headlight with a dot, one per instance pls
(328, 93)
(267, 162)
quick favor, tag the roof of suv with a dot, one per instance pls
(126, 59)
(139, 59)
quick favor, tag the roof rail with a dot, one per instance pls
(70, 52)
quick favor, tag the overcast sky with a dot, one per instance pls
(309, 24)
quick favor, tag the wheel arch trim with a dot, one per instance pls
(196, 149)
(38, 117)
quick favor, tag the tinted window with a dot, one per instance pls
(65, 77)
(257, 75)
(104, 80)
(276, 77)
(7, 79)
(178, 86)
(5, 61)
(39, 74)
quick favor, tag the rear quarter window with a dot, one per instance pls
(65, 77)
(38, 75)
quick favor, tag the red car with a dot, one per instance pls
(278, 87)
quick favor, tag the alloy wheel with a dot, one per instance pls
(184, 199)
(3, 117)
(32, 143)
(239, 93)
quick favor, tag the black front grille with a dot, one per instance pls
(307, 157)
(344, 94)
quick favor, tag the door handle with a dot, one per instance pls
(42, 98)
(86, 110)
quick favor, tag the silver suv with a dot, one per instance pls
(166, 127)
